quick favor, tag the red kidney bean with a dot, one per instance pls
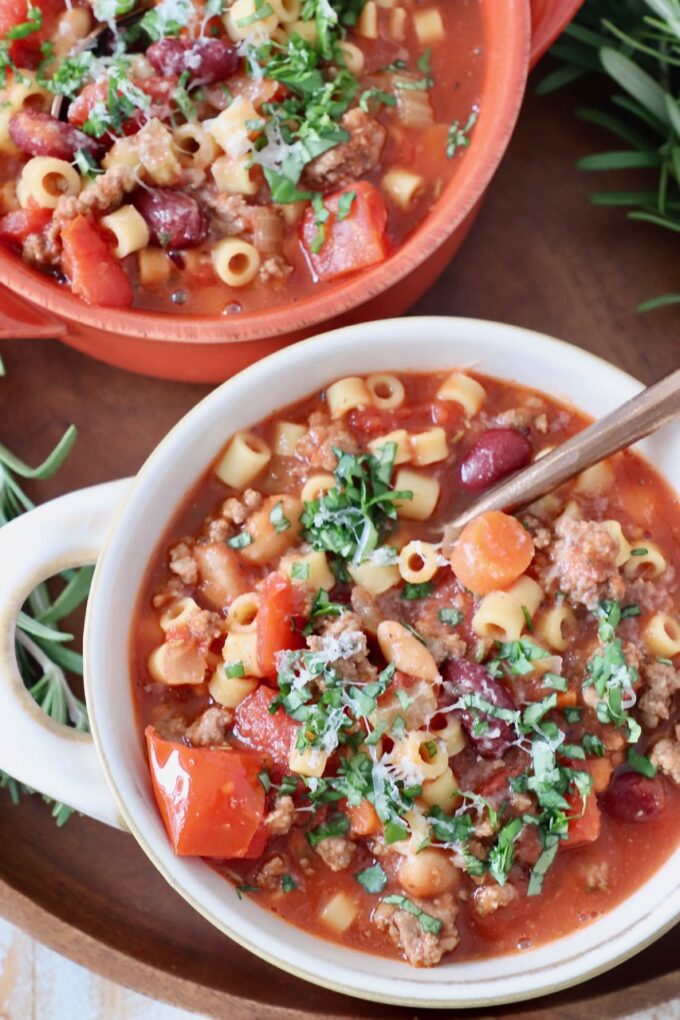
(497, 453)
(39, 134)
(460, 678)
(631, 797)
(207, 60)
(174, 219)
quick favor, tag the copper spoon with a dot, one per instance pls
(651, 409)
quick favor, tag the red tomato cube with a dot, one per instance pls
(210, 798)
(352, 237)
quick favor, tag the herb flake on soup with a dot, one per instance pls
(414, 750)
(228, 155)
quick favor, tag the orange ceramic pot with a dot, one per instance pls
(548, 19)
(210, 348)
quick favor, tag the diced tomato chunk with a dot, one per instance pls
(16, 226)
(25, 51)
(275, 622)
(583, 828)
(160, 91)
(210, 799)
(95, 274)
(271, 733)
(258, 843)
(353, 235)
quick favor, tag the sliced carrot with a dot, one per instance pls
(364, 819)
(567, 699)
(492, 551)
(601, 770)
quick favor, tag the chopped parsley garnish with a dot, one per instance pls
(123, 100)
(288, 883)
(322, 605)
(417, 591)
(33, 23)
(502, 854)
(610, 674)
(592, 745)
(299, 571)
(337, 825)
(450, 616)
(641, 763)
(234, 669)
(402, 697)
(373, 879)
(430, 925)
(572, 715)
(321, 217)
(460, 137)
(555, 681)
(278, 519)
(353, 518)
(519, 656)
(376, 95)
(345, 203)
(262, 10)
(182, 98)
(551, 844)
(412, 630)
(287, 786)
(450, 829)
(639, 551)
(240, 541)
(86, 164)
(245, 888)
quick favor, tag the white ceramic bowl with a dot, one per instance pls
(73, 530)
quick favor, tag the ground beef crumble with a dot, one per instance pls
(584, 562)
(280, 819)
(486, 899)
(666, 756)
(442, 642)
(315, 448)
(270, 874)
(345, 648)
(274, 267)
(350, 160)
(421, 948)
(182, 562)
(663, 681)
(210, 728)
(336, 852)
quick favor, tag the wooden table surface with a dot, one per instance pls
(539, 256)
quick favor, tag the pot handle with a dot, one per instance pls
(57, 760)
(20, 320)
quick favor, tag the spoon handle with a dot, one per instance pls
(656, 406)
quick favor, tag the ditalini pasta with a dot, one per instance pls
(289, 144)
(423, 748)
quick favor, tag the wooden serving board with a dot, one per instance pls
(539, 256)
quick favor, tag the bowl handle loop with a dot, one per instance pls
(59, 761)
(20, 320)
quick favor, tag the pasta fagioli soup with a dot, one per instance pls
(422, 752)
(220, 156)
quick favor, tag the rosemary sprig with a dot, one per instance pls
(43, 659)
(636, 44)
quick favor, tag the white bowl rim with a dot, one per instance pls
(631, 926)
